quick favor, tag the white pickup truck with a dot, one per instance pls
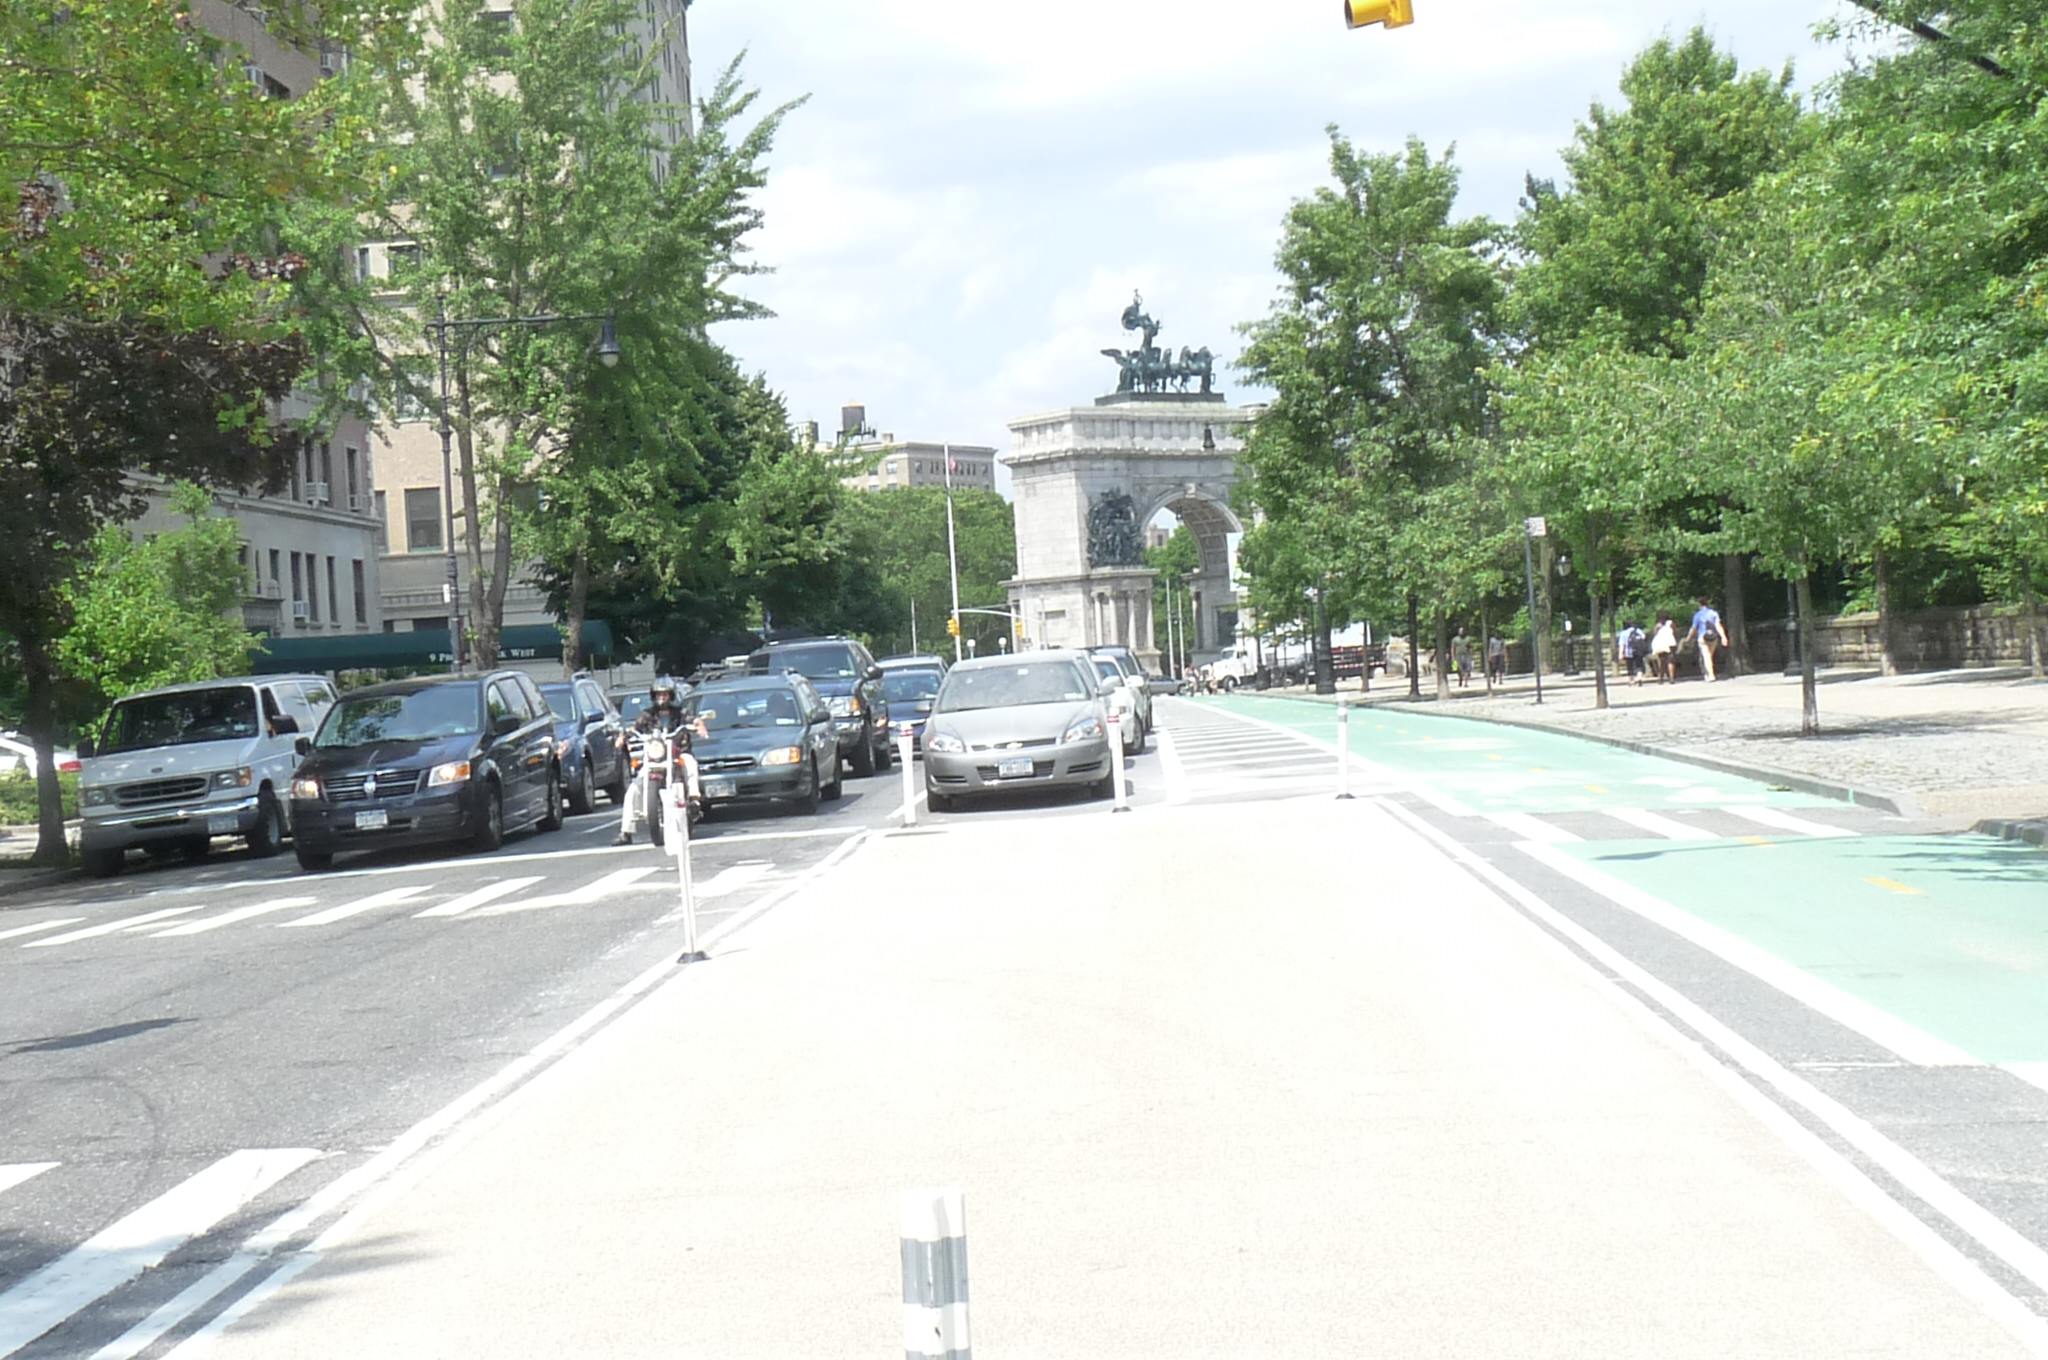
(1241, 662)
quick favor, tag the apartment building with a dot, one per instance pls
(885, 464)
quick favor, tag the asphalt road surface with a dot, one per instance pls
(205, 1068)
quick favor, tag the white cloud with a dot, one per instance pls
(966, 203)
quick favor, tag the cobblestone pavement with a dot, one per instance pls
(1963, 745)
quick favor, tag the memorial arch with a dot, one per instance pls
(1086, 480)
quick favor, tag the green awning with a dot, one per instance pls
(420, 647)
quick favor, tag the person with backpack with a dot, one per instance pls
(1635, 647)
(1711, 635)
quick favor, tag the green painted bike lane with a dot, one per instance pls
(1495, 768)
(1947, 933)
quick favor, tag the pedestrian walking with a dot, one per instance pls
(1461, 657)
(1497, 659)
(1664, 648)
(1710, 635)
(1635, 649)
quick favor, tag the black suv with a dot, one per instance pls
(846, 675)
(446, 759)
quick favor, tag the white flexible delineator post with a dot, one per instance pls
(1343, 747)
(1116, 762)
(906, 754)
(935, 1275)
(675, 808)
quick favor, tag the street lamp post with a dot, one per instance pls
(1533, 528)
(469, 328)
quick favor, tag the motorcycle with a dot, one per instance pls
(669, 762)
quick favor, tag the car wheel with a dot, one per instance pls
(838, 786)
(551, 806)
(885, 753)
(1104, 787)
(807, 802)
(582, 796)
(616, 790)
(1229, 683)
(490, 832)
(1138, 726)
(102, 863)
(313, 861)
(863, 756)
(268, 837)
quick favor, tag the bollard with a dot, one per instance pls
(676, 810)
(1116, 761)
(906, 753)
(935, 1275)
(1343, 748)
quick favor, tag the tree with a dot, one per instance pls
(900, 538)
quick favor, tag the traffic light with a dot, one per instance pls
(1390, 13)
(953, 626)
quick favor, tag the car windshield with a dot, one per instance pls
(630, 707)
(1106, 668)
(1027, 682)
(561, 701)
(834, 662)
(179, 719)
(906, 687)
(421, 715)
(727, 710)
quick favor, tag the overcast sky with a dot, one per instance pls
(960, 212)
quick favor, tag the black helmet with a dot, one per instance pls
(662, 693)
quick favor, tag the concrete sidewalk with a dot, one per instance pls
(1206, 1099)
(1955, 746)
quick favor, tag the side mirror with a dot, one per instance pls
(594, 720)
(304, 746)
(1110, 686)
(283, 725)
(84, 748)
(874, 672)
(504, 725)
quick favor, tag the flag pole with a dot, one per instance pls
(952, 551)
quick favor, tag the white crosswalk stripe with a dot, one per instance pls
(235, 917)
(121, 1251)
(388, 897)
(733, 879)
(490, 892)
(1785, 821)
(1658, 825)
(39, 927)
(581, 897)
(109, 927)
(20, 1173)
(1533, 828)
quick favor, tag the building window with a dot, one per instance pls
(275, 575)
(298, 584)
(355, 571)
(242, 559)
(333, 596)
(313, 587)
(355, 488)
(423, 519)
(326, 473)
(383, 524)
(362, 264)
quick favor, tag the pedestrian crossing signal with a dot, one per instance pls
(1387, 13)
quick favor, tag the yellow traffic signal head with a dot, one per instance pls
(953, 625)
(1389, 13)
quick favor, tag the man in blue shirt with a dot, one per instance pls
(1711, 635)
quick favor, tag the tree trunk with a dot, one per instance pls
(1736, 614)
(39, 715)
(1540, 649)
(1484, 641)
(1326, 673)
(1443, 656)
(1414, 650)
(1809, 689)
(472, 520)
(579, 604)
(2032, 607)
(1887, 654)
(491, 624)
(1599, 602)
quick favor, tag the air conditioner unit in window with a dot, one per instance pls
(316, 493)
(299, 610)
(333, 63)
(358, 504)
(270, 590)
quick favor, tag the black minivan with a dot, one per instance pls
(436, 760)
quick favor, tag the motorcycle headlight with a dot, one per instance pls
(95, 796)
(944, 743)
(783, 755)
(1084, 730)
(454, 772)
(234, 779)
(308, 789)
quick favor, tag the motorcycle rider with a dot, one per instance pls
(662, 717)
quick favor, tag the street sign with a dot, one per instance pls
(1536, 527)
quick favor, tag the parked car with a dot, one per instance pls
(1123, 702)
(1142, 691)
(910, 683)
(172, 768)
(427, 761)
(587, 732)
(1038, 720)
(763, 738)
(17, 752)
(841, 670)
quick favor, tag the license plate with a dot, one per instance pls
(718, 788)
(374, 820)
(1016, 767)
(221, 825)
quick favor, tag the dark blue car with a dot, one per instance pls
(587, 741)
(910, 684)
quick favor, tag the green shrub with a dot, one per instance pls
(18, 797)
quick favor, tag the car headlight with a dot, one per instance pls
(783, 755)
(454, 772)
(562, 748)
(1084, 730)
(234, 779)
(306, 788)
(944, 743)
(95, 796)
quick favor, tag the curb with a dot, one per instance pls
(1898, 804)
(2033, 833)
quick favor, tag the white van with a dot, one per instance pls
(175, 767)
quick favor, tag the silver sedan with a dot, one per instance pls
(1018, 722)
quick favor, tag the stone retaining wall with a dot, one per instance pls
(1926, 640)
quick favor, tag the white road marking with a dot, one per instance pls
(734, 878)
(490, 892)
(1420, 788)
(1785, 821)
(593, 891)
(123, 1250)
(1171, 769)
(39, 926)
(125, 923)
(1910, 1042)
(1658, 825)
(19, 1172)
(228, 918)
(1997, 1237)
(347, 909)
(1535, 828)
